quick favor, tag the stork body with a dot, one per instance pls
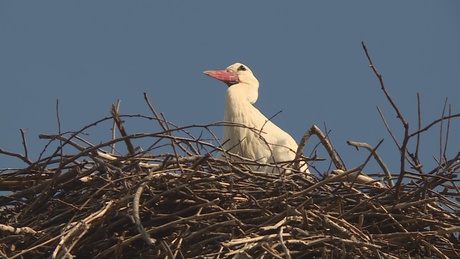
(255, 137)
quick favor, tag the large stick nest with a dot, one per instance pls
(92, 204)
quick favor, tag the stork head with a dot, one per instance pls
(238, 77)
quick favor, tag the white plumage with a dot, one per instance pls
(265, 142)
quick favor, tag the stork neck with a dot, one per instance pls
(242, 93)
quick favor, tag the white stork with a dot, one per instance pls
(260, 139)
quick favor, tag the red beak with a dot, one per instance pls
(226, 76)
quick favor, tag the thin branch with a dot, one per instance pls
(388, 128)
(434, 123)
(24, 144)
(327, 145)
(446, 143)
(419, 125)
(441, 131)
(160, 121)
(20, 156)
(401, 118)
(384, 167)
(58, 119)
(114, 124)
(136, 204)
(380, 77)
(266, 121)
(122, 130)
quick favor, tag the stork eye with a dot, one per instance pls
(242, 68)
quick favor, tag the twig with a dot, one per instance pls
(17, 231)
(167, 249)
(287, 253)
(333, 178)
(376, 157)
(419, 125)
(58, 120)
(434, 123)
(360, 177)
(24, 144)
(173, 141)
(20, 156)
(327, 145)
(122, 130)
(401, 118)
(379, 76)
(150, 241)
(446, 142)
(441, 157)
(388, 128)
(114, 124)
(266, 121)
(160, 122)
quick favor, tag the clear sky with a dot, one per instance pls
(307, 56)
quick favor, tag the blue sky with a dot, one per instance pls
(306, 55)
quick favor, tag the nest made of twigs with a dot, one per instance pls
(92, 204)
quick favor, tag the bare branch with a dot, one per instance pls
(434, 123)
(327, 145)
(122, 130)
(376, 156)
(402, 150)
(24, 144)
(114, 132)
(419, 125)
